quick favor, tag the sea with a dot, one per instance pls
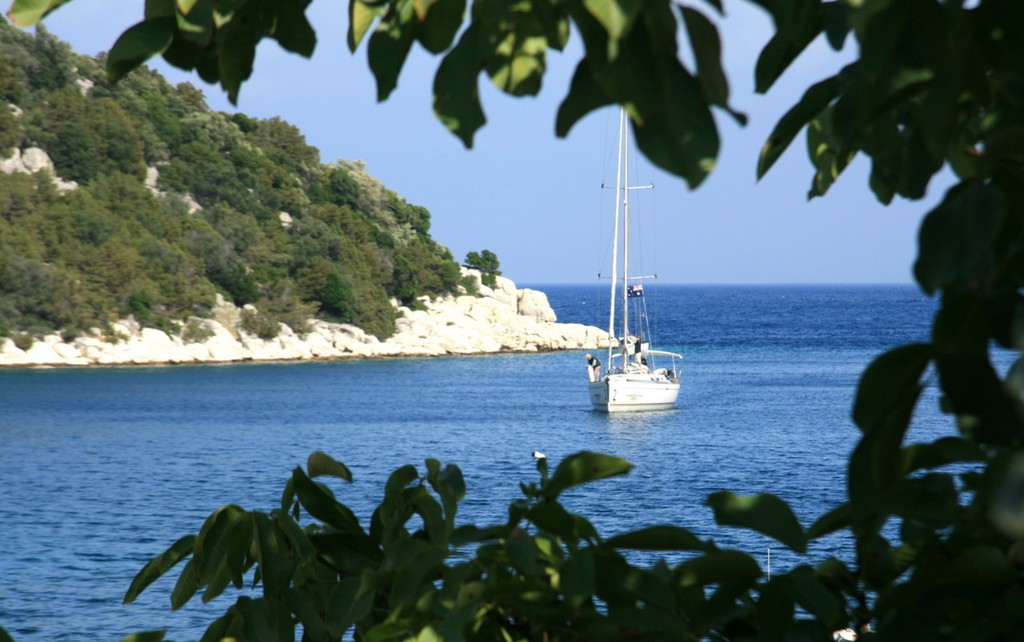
(103, 468)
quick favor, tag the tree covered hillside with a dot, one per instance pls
(239, 206)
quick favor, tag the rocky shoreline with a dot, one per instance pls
(501, 319)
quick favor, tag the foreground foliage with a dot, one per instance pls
(938, 528)
(543, 573)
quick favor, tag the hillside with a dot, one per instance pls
(155, 204)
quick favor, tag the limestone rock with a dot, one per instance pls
(534, 304)
(502, 319)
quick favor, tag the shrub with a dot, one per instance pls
(196, 331)
(23, 340)
(468, 283)
(256, 323)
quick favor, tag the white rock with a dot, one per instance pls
(534, 304)
(43, 355)
(36, 160)
(503, 319)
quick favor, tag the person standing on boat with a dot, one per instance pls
(593, 367)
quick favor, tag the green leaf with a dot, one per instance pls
(450, 487)
(159, 565)
(307, 607)
(983, 566)
(238, 39)
(138, 44)
(345, 553)
(827, 154)
(345, 605)
(440, 20)
(774, 610)
(321, 464)
(434, 522)
(415, 564)
(812, 595)
(186, 586)
(797, 23)
(660, 538)
(942, 452)
(833, 521)
(814, 100)
(470, 534)
(227, 556)
(517, 62)
(292, 29)
(258, 626)
(553, 518)
(956, 238)
(886, 397)
(210, 544)
(228, 626)
(196, 25)
(975, 393)
(360, 18)
(707, 51)
(672, 122)
(585, 95)
(456, 96)
(522, 551)
(577, 579)
(271, 552)
(388, 631)
(582, 468)
(166, 8)
(929, 502)
(733, 573)
(26, 13)
(389, 46)
(322, 506)
(399, 480)
(616, 16)
(618, 583)
(142, 636)
(889, 388)
(765, 513)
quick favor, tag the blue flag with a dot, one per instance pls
(635, 290)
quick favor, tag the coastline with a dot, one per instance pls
(501, 319)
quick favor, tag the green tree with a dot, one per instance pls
(10, 130)
(74, 153)
(487, 262)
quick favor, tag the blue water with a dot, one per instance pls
(103, 468)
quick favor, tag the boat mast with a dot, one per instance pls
(615, 237)
(624, 154)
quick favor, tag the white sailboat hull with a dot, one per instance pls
(633, 392)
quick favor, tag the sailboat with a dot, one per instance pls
(636, 377)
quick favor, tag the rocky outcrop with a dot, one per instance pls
(502, 319)
(30, 161)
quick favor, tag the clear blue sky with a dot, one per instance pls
(535, 200)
